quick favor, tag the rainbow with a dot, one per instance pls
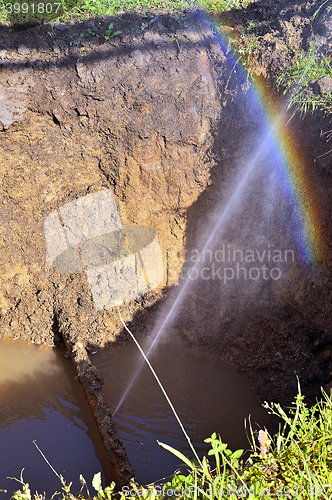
(298, 177)
(296, 172)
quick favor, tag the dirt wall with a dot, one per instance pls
(81, 114)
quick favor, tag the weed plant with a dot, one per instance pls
(298, 79)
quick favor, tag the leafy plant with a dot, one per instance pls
(109, 32)
(299, 465)
(298, 78)
(102, 493)
(249, 45)
(223, 5)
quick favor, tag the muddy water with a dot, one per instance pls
(42, 401)
(207, 394)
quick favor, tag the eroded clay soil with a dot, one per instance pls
(145, 114)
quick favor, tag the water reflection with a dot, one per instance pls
(42, 401)
(208, 395)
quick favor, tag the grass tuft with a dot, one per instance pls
(298, 81)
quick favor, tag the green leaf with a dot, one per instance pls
(237, 453)
(96, 481)
(211, 439)
(116, 33)
(178, 480)
(217, 480)
(109, 490)
(82, 480)
(177, 454)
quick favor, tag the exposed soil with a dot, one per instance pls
(151, 114)
(96, 115)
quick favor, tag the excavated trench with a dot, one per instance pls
(162, 122)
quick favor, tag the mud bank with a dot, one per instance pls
(92, 384)
(155, 117)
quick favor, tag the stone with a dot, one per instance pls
(23, 50)
(323, 85)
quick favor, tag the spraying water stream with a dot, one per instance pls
(223, 212)
(203, 387)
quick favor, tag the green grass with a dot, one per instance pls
(297, 465)
(296, 81)
(115, 7)
(80, 9)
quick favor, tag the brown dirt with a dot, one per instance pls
(96, 115)
(147, 115)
